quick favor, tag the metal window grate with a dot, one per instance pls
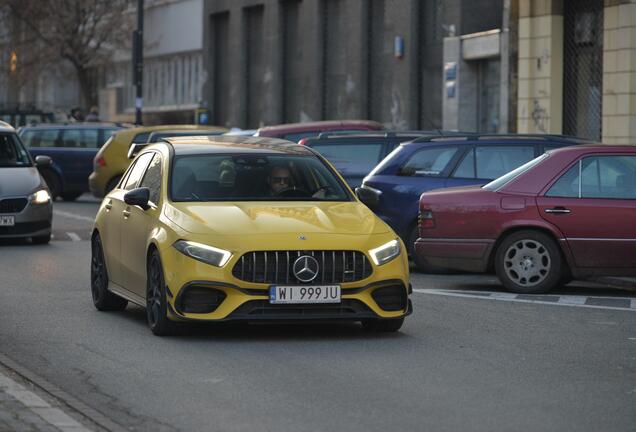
(582, 68)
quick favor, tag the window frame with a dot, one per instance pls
(143, 177)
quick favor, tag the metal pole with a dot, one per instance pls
(138, 60)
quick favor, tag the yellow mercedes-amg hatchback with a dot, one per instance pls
(242, 228)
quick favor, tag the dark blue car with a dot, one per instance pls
(72, 148)
(392, 190)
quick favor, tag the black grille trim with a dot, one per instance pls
(199, 299)
(391, 298)
(12, 205)
(24, 228)
(276, 267)
(348, 309)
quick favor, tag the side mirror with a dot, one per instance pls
(369, 196)
(134, 150)
(138, 197)
(42, 161)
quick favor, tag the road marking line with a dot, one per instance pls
(463, 294)
(73, 216)
(572, 300)
(53, 416)
(73, 236)
(503, 296)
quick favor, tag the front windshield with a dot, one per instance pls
(12, 153)
(506, 178)
(227, 177)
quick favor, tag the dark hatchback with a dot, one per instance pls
(392, 190)
(354, 156)
(72, 148)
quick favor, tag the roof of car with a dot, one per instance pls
(87, 125)
(234, 144)
(320, 125)
(500, 138)
(596, 148)
(6, 127)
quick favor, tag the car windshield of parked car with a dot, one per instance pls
(12, 154)
(507, 178)
(236, 177)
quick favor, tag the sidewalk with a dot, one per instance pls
(21, 409)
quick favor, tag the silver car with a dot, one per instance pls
(26, 209)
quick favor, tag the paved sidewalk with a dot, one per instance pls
(22, 410)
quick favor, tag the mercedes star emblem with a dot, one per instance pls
(306, 268)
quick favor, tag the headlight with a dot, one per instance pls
(204, 253)
(40, 197)
(385, 253)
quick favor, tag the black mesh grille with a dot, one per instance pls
(12, 205)
(348, 309)
(200, 299)
(276, 267)
(391, 298)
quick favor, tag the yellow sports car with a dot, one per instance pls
(244, 228)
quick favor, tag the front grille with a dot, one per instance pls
(262, 309)
(24, 228)
(12, 205)
(276, 267)
(391, 298)
(200, 299)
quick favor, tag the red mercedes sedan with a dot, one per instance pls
(569, 213)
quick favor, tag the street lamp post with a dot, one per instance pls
(138, 61)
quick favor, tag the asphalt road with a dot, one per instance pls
(469, 358)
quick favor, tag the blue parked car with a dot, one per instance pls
(72, 148)
(392, 190)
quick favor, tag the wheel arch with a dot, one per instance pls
(549, 231)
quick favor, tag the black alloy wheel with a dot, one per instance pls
(156, 302)
(103, 299)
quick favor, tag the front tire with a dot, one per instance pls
(103, 299)
(390, 325)
(156, 303)
(529, 262)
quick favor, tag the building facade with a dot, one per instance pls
(273, 61)
(577, 68)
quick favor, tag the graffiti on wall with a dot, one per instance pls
(539, 116)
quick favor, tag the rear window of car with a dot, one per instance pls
(429, 161)
(351, 158)
(491, 162)
(40, 137)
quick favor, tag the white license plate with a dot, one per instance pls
(304, 294)
(7, 220)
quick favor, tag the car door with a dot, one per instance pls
(594, 206)
(137, 223)
(80, 147)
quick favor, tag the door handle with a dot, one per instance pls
(126, 213)
(558, 210)
(108, 205)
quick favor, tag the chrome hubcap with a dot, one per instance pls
(527, 262)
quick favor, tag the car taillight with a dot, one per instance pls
(426, 219)
(302, 141)
(99, 162)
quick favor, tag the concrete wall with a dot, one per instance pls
(326, 59)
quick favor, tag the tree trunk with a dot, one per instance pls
(86, 86)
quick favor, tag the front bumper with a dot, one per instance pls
(247, 301)
(33, 221)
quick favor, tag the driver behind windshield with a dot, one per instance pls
(279, 179)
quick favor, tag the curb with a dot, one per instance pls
(89, 414)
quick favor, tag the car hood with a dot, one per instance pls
(19, 181)
(250, 218)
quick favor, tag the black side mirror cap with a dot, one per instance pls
(369, 196)
(138, 197)
(43, 161)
